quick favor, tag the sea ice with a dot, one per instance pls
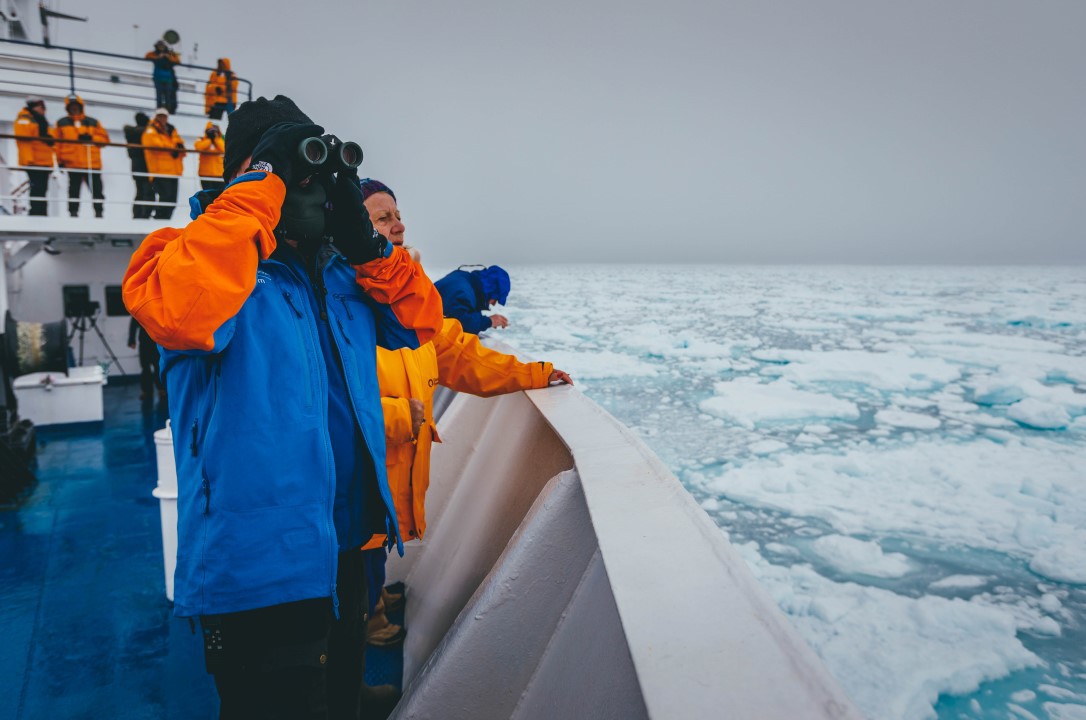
(749, 404)
(767, 447)
(955, 582)
(860, 557)
(879, 370)
(939, 645)
(1062, 562)
(974, 502)
(1039, 414)
(1061, 711)
(980, 494)
(904, 419)
(599, 364)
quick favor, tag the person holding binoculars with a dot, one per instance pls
(268, 306)
(81, 155)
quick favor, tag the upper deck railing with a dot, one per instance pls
(60, 70)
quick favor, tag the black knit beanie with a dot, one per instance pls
(249, 122)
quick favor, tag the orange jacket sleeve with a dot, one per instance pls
(99, 134)
(399, 282)
(183, 285)
(397, 420)
(466, 365)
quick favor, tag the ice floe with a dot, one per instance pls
(750, 403)
(860, 557)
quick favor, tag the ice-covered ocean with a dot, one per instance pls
(900, 454)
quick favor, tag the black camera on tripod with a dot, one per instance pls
(328, 154)
(83, 308)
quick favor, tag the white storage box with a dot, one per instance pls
(50, 398)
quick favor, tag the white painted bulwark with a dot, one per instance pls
(567, 573)
(166, 492)
(49, 398)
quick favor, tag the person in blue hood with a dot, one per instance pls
(466, 294)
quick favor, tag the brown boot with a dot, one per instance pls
(392, 601)
(380, 632)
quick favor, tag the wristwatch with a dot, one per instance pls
(260, 166)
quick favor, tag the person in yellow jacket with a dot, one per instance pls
(165, 152)
(221, 93)
(211, 148)
(454, 359)
(35, 156)
(80, 153)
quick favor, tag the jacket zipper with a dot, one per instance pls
(392, 533)
(320, 290)
(300, 316)
(343, 300)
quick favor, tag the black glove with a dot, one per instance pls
(278, 146)
(84, 137)
(349, 223)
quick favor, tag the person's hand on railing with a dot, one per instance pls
(177, 153)
(85, 138)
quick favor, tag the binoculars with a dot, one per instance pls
(328, 154)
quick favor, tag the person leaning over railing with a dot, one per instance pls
(37, 153)
(133, 135)
(164, 77)
(465, 294)
(221, 93)
(408, 377)
(164, 154)
(82, 157)
(211, 147)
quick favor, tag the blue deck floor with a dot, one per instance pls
(86, 629)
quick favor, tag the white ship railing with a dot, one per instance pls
(16, 200)
(566, 573)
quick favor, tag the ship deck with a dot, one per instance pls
(87, 630)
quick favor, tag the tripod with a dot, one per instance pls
(81, 323)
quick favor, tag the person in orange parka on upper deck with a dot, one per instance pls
(81, 155)
(221, 93)
(408, 377)
(36, 154)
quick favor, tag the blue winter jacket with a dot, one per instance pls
(465, 295)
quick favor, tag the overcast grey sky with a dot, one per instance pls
(690, 130)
